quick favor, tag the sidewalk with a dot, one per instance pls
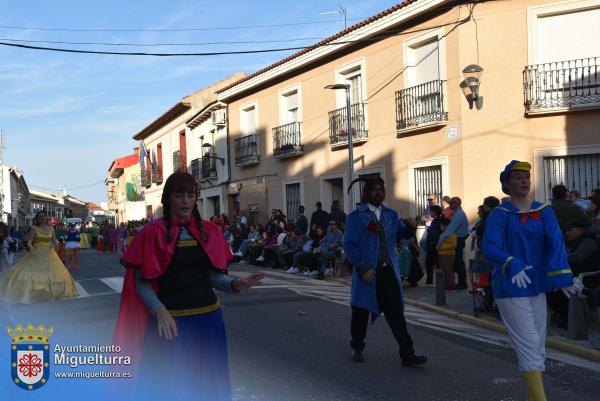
(460, 305)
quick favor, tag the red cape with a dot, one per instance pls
(151, 252)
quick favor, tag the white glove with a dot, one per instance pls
(569, 290)
(521, 279)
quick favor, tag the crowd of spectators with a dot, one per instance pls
(298, 247)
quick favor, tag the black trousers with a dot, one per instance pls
(431, 262)
(459, 263)
(388, 299)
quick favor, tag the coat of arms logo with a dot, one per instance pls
(30, 355)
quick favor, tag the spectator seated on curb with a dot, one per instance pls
(253, 236)
(306, 259)
(330, 248)
(583, 253)
(295, 246)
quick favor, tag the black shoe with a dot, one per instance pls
(357, 356)
(413, 360)
(460, 287)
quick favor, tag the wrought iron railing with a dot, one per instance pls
(420, 105)
(209, 166)
(561, 84)
(338, 125)
(145, 177)
(157, 174)
(287, 140)
(246, 150)
(196, 166)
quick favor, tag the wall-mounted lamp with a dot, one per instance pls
(470, 85)
(210, 148)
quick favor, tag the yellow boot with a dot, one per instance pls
(535, 387)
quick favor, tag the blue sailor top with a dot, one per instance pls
(515, 239)
(73, 236)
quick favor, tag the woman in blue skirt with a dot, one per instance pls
(170, 320)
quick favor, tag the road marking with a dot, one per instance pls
(81, 292)
(116, 283)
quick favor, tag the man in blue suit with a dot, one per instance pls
(370, 246)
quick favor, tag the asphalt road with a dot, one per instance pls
(289, 340)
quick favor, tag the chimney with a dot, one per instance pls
(136, 150)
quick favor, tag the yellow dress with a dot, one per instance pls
(84, 242)
(39, 275)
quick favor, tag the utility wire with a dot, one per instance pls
(160, 44)
(220, 53)
(72, 189)
(174, 29)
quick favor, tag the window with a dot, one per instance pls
(564, 57)
(214, 203)
(564, 31)
(176, 161)
(289, 107)
(355, 81)
(428, 180)
(422, 61)
(292, 201)
(427, 177)
(352, 74)
(580, 172)
(248, 120)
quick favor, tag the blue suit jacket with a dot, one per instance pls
(361, 247)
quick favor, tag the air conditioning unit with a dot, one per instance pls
(218, 117)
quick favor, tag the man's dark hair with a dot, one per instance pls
(301, 209)
(559, 192)
(491, 202)
(437, 209)
(319, 205)
(446, 199)
(578, 223)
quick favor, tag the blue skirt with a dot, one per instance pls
(194, 366)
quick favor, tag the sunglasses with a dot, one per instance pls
(430, 200)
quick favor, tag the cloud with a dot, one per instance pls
(59, 105)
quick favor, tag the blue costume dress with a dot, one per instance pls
(512, 241)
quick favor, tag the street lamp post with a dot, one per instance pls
(346, 87)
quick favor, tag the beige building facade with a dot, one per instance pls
(190, 136)
(415, 120)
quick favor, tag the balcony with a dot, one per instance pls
(209, 167)
(562, 85)
(157, 174)
(246, 150)
(145, 178)
(420, 106)
(338, 125)
(287, 141)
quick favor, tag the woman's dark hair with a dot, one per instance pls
(436, 209)
(38, 214)
(181, 182)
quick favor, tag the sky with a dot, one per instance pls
(67, 116)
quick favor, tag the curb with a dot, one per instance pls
(561, 345)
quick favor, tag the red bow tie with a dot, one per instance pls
(533, 215)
